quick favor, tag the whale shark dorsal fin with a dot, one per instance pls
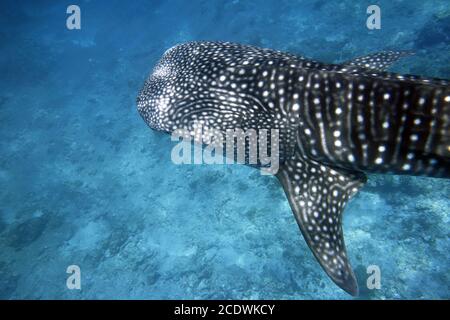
(379, 61)
(317, 195)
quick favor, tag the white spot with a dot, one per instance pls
(386, 96)
(295, 106)
(336, 133)
(338, 111)
(447, 99)
(338, 143)
(406, 167)
(222, 78)
(378, 161)
(382, 148)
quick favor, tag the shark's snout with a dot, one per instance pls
(146, 108)
(150, 102)
(164, 89)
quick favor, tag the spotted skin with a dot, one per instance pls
(318, 194)
(376, 125)
(336, 122)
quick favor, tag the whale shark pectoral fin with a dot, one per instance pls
(378, 61)
(318, 194)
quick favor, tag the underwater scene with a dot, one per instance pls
(88, 189)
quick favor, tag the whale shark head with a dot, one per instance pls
(157, 95)
(171, 83)
(206, 82)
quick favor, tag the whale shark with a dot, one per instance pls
(336, 123)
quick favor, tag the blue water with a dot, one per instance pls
(84, 182)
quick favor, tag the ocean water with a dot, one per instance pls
(83, 180)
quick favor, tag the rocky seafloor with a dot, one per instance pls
(83, 181)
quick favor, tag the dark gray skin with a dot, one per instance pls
(336, 123)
